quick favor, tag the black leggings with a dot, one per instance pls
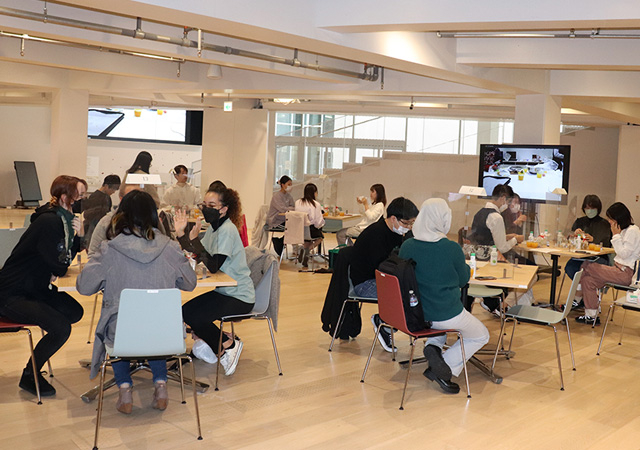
(200, 312)
(54, 313)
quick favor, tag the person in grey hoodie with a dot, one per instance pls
(137, 256)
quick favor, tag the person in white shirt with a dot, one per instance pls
(626, 243)
(371, 214)
(309, 205)
(182, 193)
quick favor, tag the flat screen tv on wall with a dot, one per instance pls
(533, 171)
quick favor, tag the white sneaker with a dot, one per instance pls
(230, 357)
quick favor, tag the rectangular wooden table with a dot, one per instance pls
(556, 253)
(333, 223)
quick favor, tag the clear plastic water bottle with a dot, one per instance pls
(559, 238)
(531, 238)
(472, 265)
(413, 299)
(494, 255)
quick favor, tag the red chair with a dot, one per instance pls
(9, 326)
(392, 315)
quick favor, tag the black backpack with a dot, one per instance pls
(405, 271)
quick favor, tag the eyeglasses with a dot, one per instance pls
(407, 223)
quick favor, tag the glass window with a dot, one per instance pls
(336, 157)
(469, 133)
(415, 134)
(365, 152)
(286, 161)
(394, 128)
(313, 163)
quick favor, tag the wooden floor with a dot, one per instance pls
(320, 403)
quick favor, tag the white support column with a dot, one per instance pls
(537, 119)
(627, 188)
(69, 120)
(235, 151)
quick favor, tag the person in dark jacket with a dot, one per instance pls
(44, 253)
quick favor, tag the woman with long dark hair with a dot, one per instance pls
(281, 202)
(220, 249)
(626, 243)
(372, 213)
(43, 253)
(142, 164)
(308, 204)
(135, 256)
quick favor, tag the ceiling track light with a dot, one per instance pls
(595, 33)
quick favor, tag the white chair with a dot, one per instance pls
(259, 311)
(149, 326)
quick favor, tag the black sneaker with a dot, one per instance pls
(28, 383)
(588, 320)
(436, 362)
(577, 304)
(384, 336)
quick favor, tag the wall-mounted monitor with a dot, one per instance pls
(533, 171)
(28, 182)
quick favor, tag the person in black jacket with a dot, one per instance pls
(44, 253)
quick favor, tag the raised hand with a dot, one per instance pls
(180, 221)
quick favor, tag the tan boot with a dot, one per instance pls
(160, 396)
(125, 400)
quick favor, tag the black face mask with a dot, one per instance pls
(211, 215)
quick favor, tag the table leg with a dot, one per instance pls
(554, 277)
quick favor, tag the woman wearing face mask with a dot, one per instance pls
(371, 213)
(626, 243)
(595, 229)
(43, 253)
(513, 217)
(220, 249)
(441, 272)
(142, 165)
(309, 205)
(281, 202)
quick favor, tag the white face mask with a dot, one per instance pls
(288, 188)
(515, 208)
(400, 229)
(502, 208)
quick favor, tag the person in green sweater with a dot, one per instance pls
(441, 272)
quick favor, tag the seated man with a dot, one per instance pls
(373, 246)
(99, 204)
(182, 193)
(488, 228)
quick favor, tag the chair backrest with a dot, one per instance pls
(295, 222)
(9, 238)
(149, 323)
(572, 294)
(390, 305)
(263, 290)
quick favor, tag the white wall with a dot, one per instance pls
(25, 132)
(115, 157)
(627, 185)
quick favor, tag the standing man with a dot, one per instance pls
(182, 193)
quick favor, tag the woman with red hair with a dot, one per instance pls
(44, 253)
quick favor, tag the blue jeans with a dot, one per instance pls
(573, 265)
(366, 289)
(121, 370)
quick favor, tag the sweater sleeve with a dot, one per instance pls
(93, 276)
(459, 263)
(51, 237)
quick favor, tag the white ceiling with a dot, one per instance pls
(475, 77)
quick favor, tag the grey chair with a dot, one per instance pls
(9, 238)
(260, 311)
(545, 317)
(149, 326)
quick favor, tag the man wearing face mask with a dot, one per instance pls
(595, 229)
(373, 246)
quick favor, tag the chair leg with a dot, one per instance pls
(275, 348)
(33, 365)
(499, 345)
(555, 334)
(406, 379)
(513, 332)
(604, 329)
(624, 316)
(195, 394)
(181, 380)
(338, 324)
(464, 364)
(597, 309)
(93, 316)
(373, 345)
(219, 354)
(573, 361)
(393, 345)
(103, 369)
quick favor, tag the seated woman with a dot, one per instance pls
(281, 202)
(43, 253)
(309, 205)
(136, 256)
(513, 218)
(595, 229)
(626, 243)
(220, 249)
(441, 271)
(371, 213)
